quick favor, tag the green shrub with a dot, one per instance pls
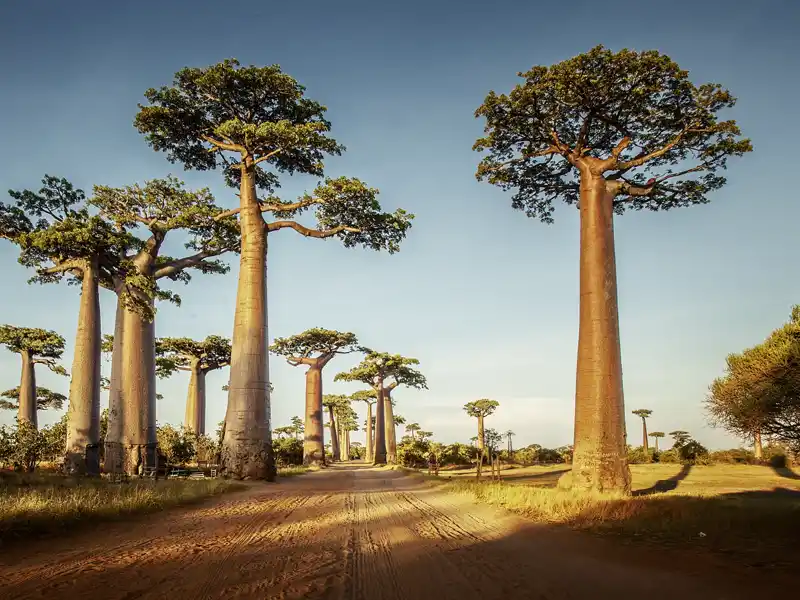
(670, 456)
(288, 451)
(693, 452)
(413, 453)
(638, 455)
(733, 456)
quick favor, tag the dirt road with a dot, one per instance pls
(351, 533)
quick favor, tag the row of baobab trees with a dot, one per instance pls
(605, 131)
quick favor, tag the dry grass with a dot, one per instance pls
(747, 512)
(43, 503)
(294, 470)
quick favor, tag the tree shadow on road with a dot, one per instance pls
(785, 472)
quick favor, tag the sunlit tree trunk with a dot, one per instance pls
(334, 435)
(655, 445)
(758, 449)
(369, 449)
(138, 391)
(313, 439)
(390, 428)
(379, 457)
(599, 460)
(27, 391)
(113, 455)
(247, 447)
(347, 445)
(83, 416)
(644, 434)
(195, 417)
(481, 433)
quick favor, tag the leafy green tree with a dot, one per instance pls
(346, 422)
(424, 435)
(254, 123)
(680, 438)
(333, 402)
(35, 347)
(314, 348)
(606, 132)
(158, 209)
(368, 397)
(656, 435)
(45, 399)
(287, 430)
(643, 414)
(412, 429)
(198, 358)
(297, 427)
(480, 409)
(385, 372)
(178, 445)
(59, 237)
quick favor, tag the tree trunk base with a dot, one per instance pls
(114, 458)
(314, 459)
(600, 472)
(87, 463)
(248, 459)
(137, 457)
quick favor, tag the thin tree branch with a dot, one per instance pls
(224, 146)
(227, 213)
(266, 156)
(180, 264)
(640, 160)
(307, 232)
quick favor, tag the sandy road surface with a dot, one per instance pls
(350, 533)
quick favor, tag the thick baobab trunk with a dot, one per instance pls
(379, 457)
(83, 416)
(644, 436)
(655, 445)
(758, 450)
(481, 434)
(27, 391)
(334, 435)
(247, 447)
(599, 460)
(313, 439)
(113, 455)
(368, 451)
(195, 418)
(391, 436)
(347, 445)
(138, 392)
(342, 444)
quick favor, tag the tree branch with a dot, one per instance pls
(223, 145)
(266, 156)
(69, 265)
(640, 160)
(289, 207)
(307, 232)
(227, 213)
(179, 265)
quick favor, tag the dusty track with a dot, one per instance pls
(352, 533)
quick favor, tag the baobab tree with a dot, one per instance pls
(605, 132)
(385, 372)
(480, 409)
(297, 426)
(509, 434)
(368, 397)
(314, 348)
(680, 438)
(198, 358)
(246, 120)
(45, 399)
(35, 347)
(655, 435)
(332, 402)
(346, 421)
(59, 238)
(643, 413)
(158, 208)
(412, 429)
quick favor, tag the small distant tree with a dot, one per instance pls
(45, 399)
(480, 409)
(314, 348)
(287, 431)
(606, 132)
(509, 434)
(198, 358)
(680, 438)
(368, 397)
(384, 372)
(424, 435)
(333, 402)
(35, 347)
(178, 445)
(412, 429)
(655, 435)
(643, 414)
(492, 442)
(297, 427)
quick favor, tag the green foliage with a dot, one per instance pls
(178, 354)
(298, 426)
(45, 347)
(481, 408)
(357, 451)
(692, 451)
(288, 451)
(458, 455)
(388, 369)
(492, 439)
(638, 456)
(369, 396)
(634, 116)
(206, 449)
(45, 399)
(680, 437)
(671, 456)
(315, 343)
(22, 447)
(643, 413)
(413, 453)
(734, 456)
(287, 431)
(178, 445)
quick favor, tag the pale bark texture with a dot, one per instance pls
(195, 417)
(655, 444)
(313, 439)
(247, 447)
(481, 434)
(391, 436)
(758, 449)
(599, 460)
(347, 445)
(380, 428)
(343, 446)
(369, 450)
(83, 416)
(113, 455)
(644, 434)
(27, 391)
(334, 435)
(138, 392)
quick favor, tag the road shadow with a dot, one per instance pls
(544, 479)
(665, 485)
(785, 472)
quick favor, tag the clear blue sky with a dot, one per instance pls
(484, 297)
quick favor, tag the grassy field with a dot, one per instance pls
(749, 513)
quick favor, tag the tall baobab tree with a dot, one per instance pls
(35, 347)
(314, 348)
(59, 238)
(384, 372)
(605, 132)
(198, 358)
(480, 409)
(643, 414)
(509, 434)
(412, 429)
(655, 435)
(368, 397)
(332, 402)
(246, 120)
(45, 399)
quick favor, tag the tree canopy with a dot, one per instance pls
(45, 347)
(391, 370)
(45, 399)
(315, 346)
(633, 117)
(481, 408)
(179, 354)
(642, 412)
(369, 396)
